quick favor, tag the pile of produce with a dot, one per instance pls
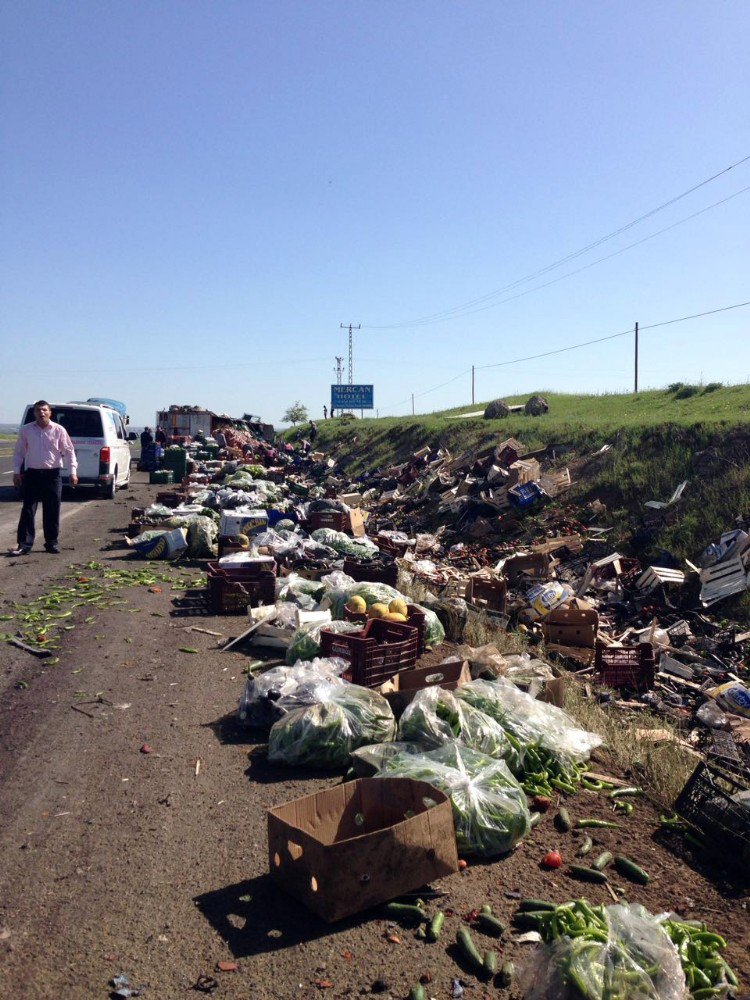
(435, 717)
(489, 806)
(621, 951)
(553, 745)
(324, 734)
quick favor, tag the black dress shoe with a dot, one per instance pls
(20, 550)
(52, 549)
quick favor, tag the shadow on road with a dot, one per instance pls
(254, 918)
(9, 494)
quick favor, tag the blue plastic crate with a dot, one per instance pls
(525, 494)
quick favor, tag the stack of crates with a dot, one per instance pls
(176, 460)
(163, 477)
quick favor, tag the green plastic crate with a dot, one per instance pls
(162, 477)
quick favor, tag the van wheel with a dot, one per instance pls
(111, 488)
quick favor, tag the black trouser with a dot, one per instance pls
(43, 485)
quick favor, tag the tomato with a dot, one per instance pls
(552, 859)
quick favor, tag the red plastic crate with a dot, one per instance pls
(227, 546)
(170, 498)
(334, 519)
(233, 597)
(391, 548)
(630, 667)
(373, 572)
(415, 617)
(376, 654)
(231, 590)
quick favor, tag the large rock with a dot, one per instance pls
(497, 408)
(536, 406)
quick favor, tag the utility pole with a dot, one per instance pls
(472, 385)
(351, 353)
(339, 369)
(636, 358)
(412, 404)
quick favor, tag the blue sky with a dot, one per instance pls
(195, 195)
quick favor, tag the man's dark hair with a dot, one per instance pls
(41, 402)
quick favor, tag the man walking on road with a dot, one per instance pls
(41, 450)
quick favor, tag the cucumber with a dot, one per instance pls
(490, 925)
(417, 993)
(465, 942)
(631, 870)
(530, 905)
(405, 911)
(602, 861)
(490, 963)
(586, 844)
(562, 820)
(436, 925)
(486, 908)
(507, 973)
(587, 874)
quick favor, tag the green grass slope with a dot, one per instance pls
(659, 438)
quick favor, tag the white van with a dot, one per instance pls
(100, 441)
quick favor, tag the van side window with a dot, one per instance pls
(119, 428)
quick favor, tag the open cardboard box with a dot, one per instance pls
(356, 845)
(402, 687)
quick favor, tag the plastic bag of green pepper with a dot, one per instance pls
(490, 811)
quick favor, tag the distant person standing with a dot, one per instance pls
(41, 450)
(325, 412)
(161, 437)
(147, 437)
(313, 431)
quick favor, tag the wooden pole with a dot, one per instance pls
(636, 358)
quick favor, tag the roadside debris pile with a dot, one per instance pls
(355, 586)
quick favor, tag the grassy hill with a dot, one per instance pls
(658, 439)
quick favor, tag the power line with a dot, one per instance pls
(599, 260)
(614, 336)
(449, 313)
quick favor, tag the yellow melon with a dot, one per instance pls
(356, 604)
(398, 606)
(378, 611)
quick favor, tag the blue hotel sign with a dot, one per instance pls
(352, 397)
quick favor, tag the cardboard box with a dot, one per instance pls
(571, 627)
(360, 844)
(357, 522)
(402, 687)
(249, 522)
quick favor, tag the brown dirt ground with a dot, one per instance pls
(115, 860)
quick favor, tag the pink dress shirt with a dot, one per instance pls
(44, 448)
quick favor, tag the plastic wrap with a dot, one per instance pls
(435, 717)
(289, 588)
(324, 734)
(489, 806)
(272, 694)
(370, 759)
(345, 545)
(534, 723)
(633, 959)
(305, 643)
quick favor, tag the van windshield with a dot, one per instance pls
(78, 423)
